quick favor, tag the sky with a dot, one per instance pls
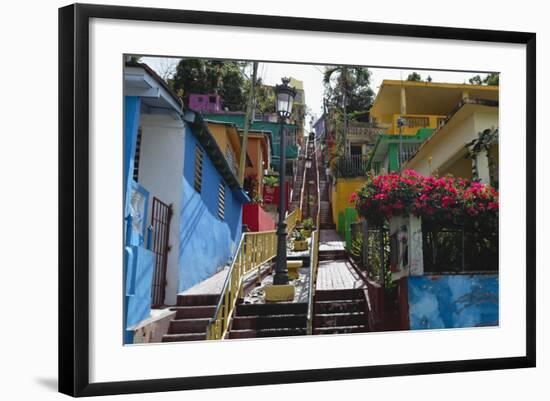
(312, 77)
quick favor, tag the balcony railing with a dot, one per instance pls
(351, 166)
(414, 122)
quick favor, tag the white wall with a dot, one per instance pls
(160, 172)
(28, 160)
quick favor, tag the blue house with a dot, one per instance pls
(182, 201)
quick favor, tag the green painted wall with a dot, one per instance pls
(350, 216)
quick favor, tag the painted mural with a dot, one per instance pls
(437, 302)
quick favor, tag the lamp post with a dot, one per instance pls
(400, 124)
(285, 97)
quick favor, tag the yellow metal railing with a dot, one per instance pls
(413, 122)
(314, 252)
(255, 250)
(292, 220)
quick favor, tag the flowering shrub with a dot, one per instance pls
(439, 200)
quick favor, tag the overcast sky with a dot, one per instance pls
(312, 77)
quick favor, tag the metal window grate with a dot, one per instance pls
(137, 156)
(198, 169)
(160, 221)
(221, 200)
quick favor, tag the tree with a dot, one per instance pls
(166, 68)
(414, 77)
(265, 98)
(212, 76)
(348, 88)
(490, 79)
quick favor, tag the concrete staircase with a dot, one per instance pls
(340, 311)
(325, 218)
(269, 320)
(193, 312)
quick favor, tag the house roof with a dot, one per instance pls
(428, 98)
(173, 97)
(465, 108)
(198, 127)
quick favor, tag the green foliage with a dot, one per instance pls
(350, 85)
(264, 96)
(490, 79)
(414, 77)
(308, 224)
(212, 76)
(271, 180)
(298, 235)
(357, 246)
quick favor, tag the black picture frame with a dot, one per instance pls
(74, 198)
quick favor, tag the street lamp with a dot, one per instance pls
(285, 98)
(400, 124)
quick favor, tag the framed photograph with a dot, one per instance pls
(253, 199)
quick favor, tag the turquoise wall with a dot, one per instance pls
(453, 301)
(206, 242)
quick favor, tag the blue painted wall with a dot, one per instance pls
(138, 262)
(206, 241)
(132, 105)
(139, 267)
(453, 301)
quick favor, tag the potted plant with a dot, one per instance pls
(308, 227)
(300, 241)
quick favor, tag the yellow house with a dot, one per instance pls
(227, 138)
(446, 151)
(259, 154)
(422, 104)
(438, 120)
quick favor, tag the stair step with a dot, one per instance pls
(342, 294)
(279, 308)
(339, 319)
(200, 299)
(341, 306)
(181, 326)
(267, 333)
(341, 329)
(167, 338)
(269, 322)
(196, 311)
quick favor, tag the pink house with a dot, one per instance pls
(205, 103)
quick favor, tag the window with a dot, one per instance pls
(212, 99)
(230, 159)
(221, 200)
(137, 155)
(198, 169)
(356, 150)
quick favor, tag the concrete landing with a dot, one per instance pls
(329, 240)
(337, 274)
